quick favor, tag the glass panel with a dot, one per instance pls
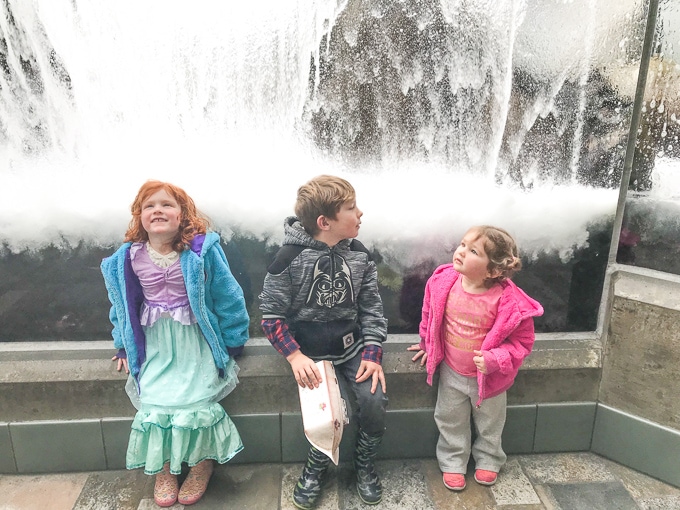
(650, 234)
(443, 114)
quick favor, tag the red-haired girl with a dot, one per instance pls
(179, 318)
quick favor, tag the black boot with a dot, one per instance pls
(308, 487)
(368, 482)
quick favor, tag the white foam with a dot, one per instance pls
(209, 96)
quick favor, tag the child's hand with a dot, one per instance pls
(479, 361)
(122, 363)
(370, 369)
(421, 354)
(305, 371)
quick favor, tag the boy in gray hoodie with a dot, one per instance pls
(320, 301)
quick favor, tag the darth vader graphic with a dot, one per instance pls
(332, 283)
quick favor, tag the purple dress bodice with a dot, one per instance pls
(165, 294)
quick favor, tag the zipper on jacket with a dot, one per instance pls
(332, 269)
(204, 313)
(332, 275)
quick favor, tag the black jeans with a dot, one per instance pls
(371, 408)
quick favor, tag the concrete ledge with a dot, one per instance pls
(77, 380)
(646, 286)
(51, 392)
(551, 350)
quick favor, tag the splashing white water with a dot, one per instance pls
(210, 97)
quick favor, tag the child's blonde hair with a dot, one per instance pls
(502, 251)
(192, 221)
(323, 195)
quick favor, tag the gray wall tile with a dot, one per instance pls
(7, 464)
(637, 443)
(410, 433)
(294, 444)
(520, 429)
(48, 446)
(564, 427)
(261, 438)
(116, 434)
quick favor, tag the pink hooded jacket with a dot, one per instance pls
(509, 341)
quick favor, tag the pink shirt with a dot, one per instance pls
(467, 320)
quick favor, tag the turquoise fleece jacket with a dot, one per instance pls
(215, 297)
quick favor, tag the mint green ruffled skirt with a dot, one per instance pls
(179, 418)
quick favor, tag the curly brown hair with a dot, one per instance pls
(501, 249)
(192, 221)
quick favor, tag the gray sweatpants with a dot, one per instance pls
(456, 399)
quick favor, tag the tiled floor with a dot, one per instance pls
(568, 481)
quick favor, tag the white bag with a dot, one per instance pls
(324, 414)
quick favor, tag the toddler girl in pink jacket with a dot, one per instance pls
(480, 324)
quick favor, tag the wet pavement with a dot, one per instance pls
(563, 481)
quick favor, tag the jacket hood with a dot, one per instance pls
(202, 243)
(295, 233)
(527, 305)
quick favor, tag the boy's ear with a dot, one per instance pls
(322, 223)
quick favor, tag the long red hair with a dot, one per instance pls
(192, 221)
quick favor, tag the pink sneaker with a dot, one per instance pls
(454, 481)
(484, 477)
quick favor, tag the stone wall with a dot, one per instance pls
(641, 357)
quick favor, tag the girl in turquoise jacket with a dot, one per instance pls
(179, 318)
(477, 328)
